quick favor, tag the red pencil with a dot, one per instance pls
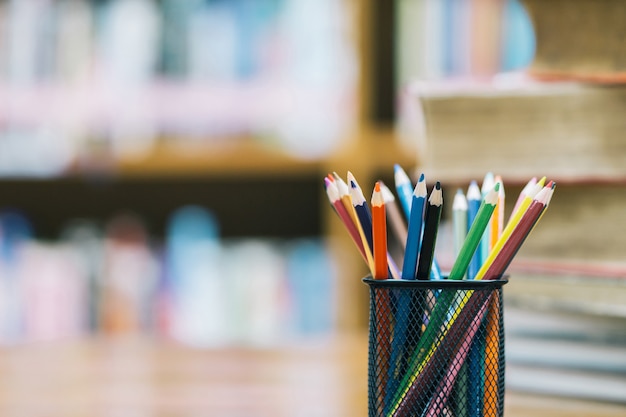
(379, 233)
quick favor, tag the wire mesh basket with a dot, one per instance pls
(436, 348)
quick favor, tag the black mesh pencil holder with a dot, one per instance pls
(436, 348)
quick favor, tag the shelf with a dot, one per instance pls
(236, 157)
(368, 150)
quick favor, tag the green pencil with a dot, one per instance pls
(472, 240)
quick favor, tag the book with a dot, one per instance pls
(582, 39)
(517, 127)
(565, 335)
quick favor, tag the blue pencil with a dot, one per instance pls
(476, 372)
(404, 187)
(473, 204)
(399, 348)
(414, 236)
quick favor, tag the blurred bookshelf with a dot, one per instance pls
(154, 154)
(139, 109)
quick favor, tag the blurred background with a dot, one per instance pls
(166, 245)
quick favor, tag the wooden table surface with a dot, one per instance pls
(137, 377)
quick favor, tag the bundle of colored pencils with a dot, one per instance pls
(484, 246)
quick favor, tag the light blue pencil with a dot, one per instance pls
(485, 243)
(473, 204)
(404, 187)
(459, 220)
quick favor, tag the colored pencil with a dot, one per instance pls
(459, 226)
(379, 234)
(344, 195)
(337, 204)
(485, 243)
(521, 232)
(497, 219)
(475, 363)
(414, 237)
(525, 192)
(404, 187)
(362, 209)
(492, 357)
(476, 229)
(510, 227)
(394, 217)
(529, 185)
(459, 220)
(473, 203)
(431, 227)
(346, 199)
(475, 370)
(412, 245)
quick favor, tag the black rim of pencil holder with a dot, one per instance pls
(436, 348)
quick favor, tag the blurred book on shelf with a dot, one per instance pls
(192, 286)
(462, 39)
(565, 130)
(565, 334)
(120, 75)
(579, 40)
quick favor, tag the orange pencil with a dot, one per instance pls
(492, 356)
(497, 218)
(379, 234)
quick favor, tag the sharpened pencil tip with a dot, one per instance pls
(422, 177)
(438, 185)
